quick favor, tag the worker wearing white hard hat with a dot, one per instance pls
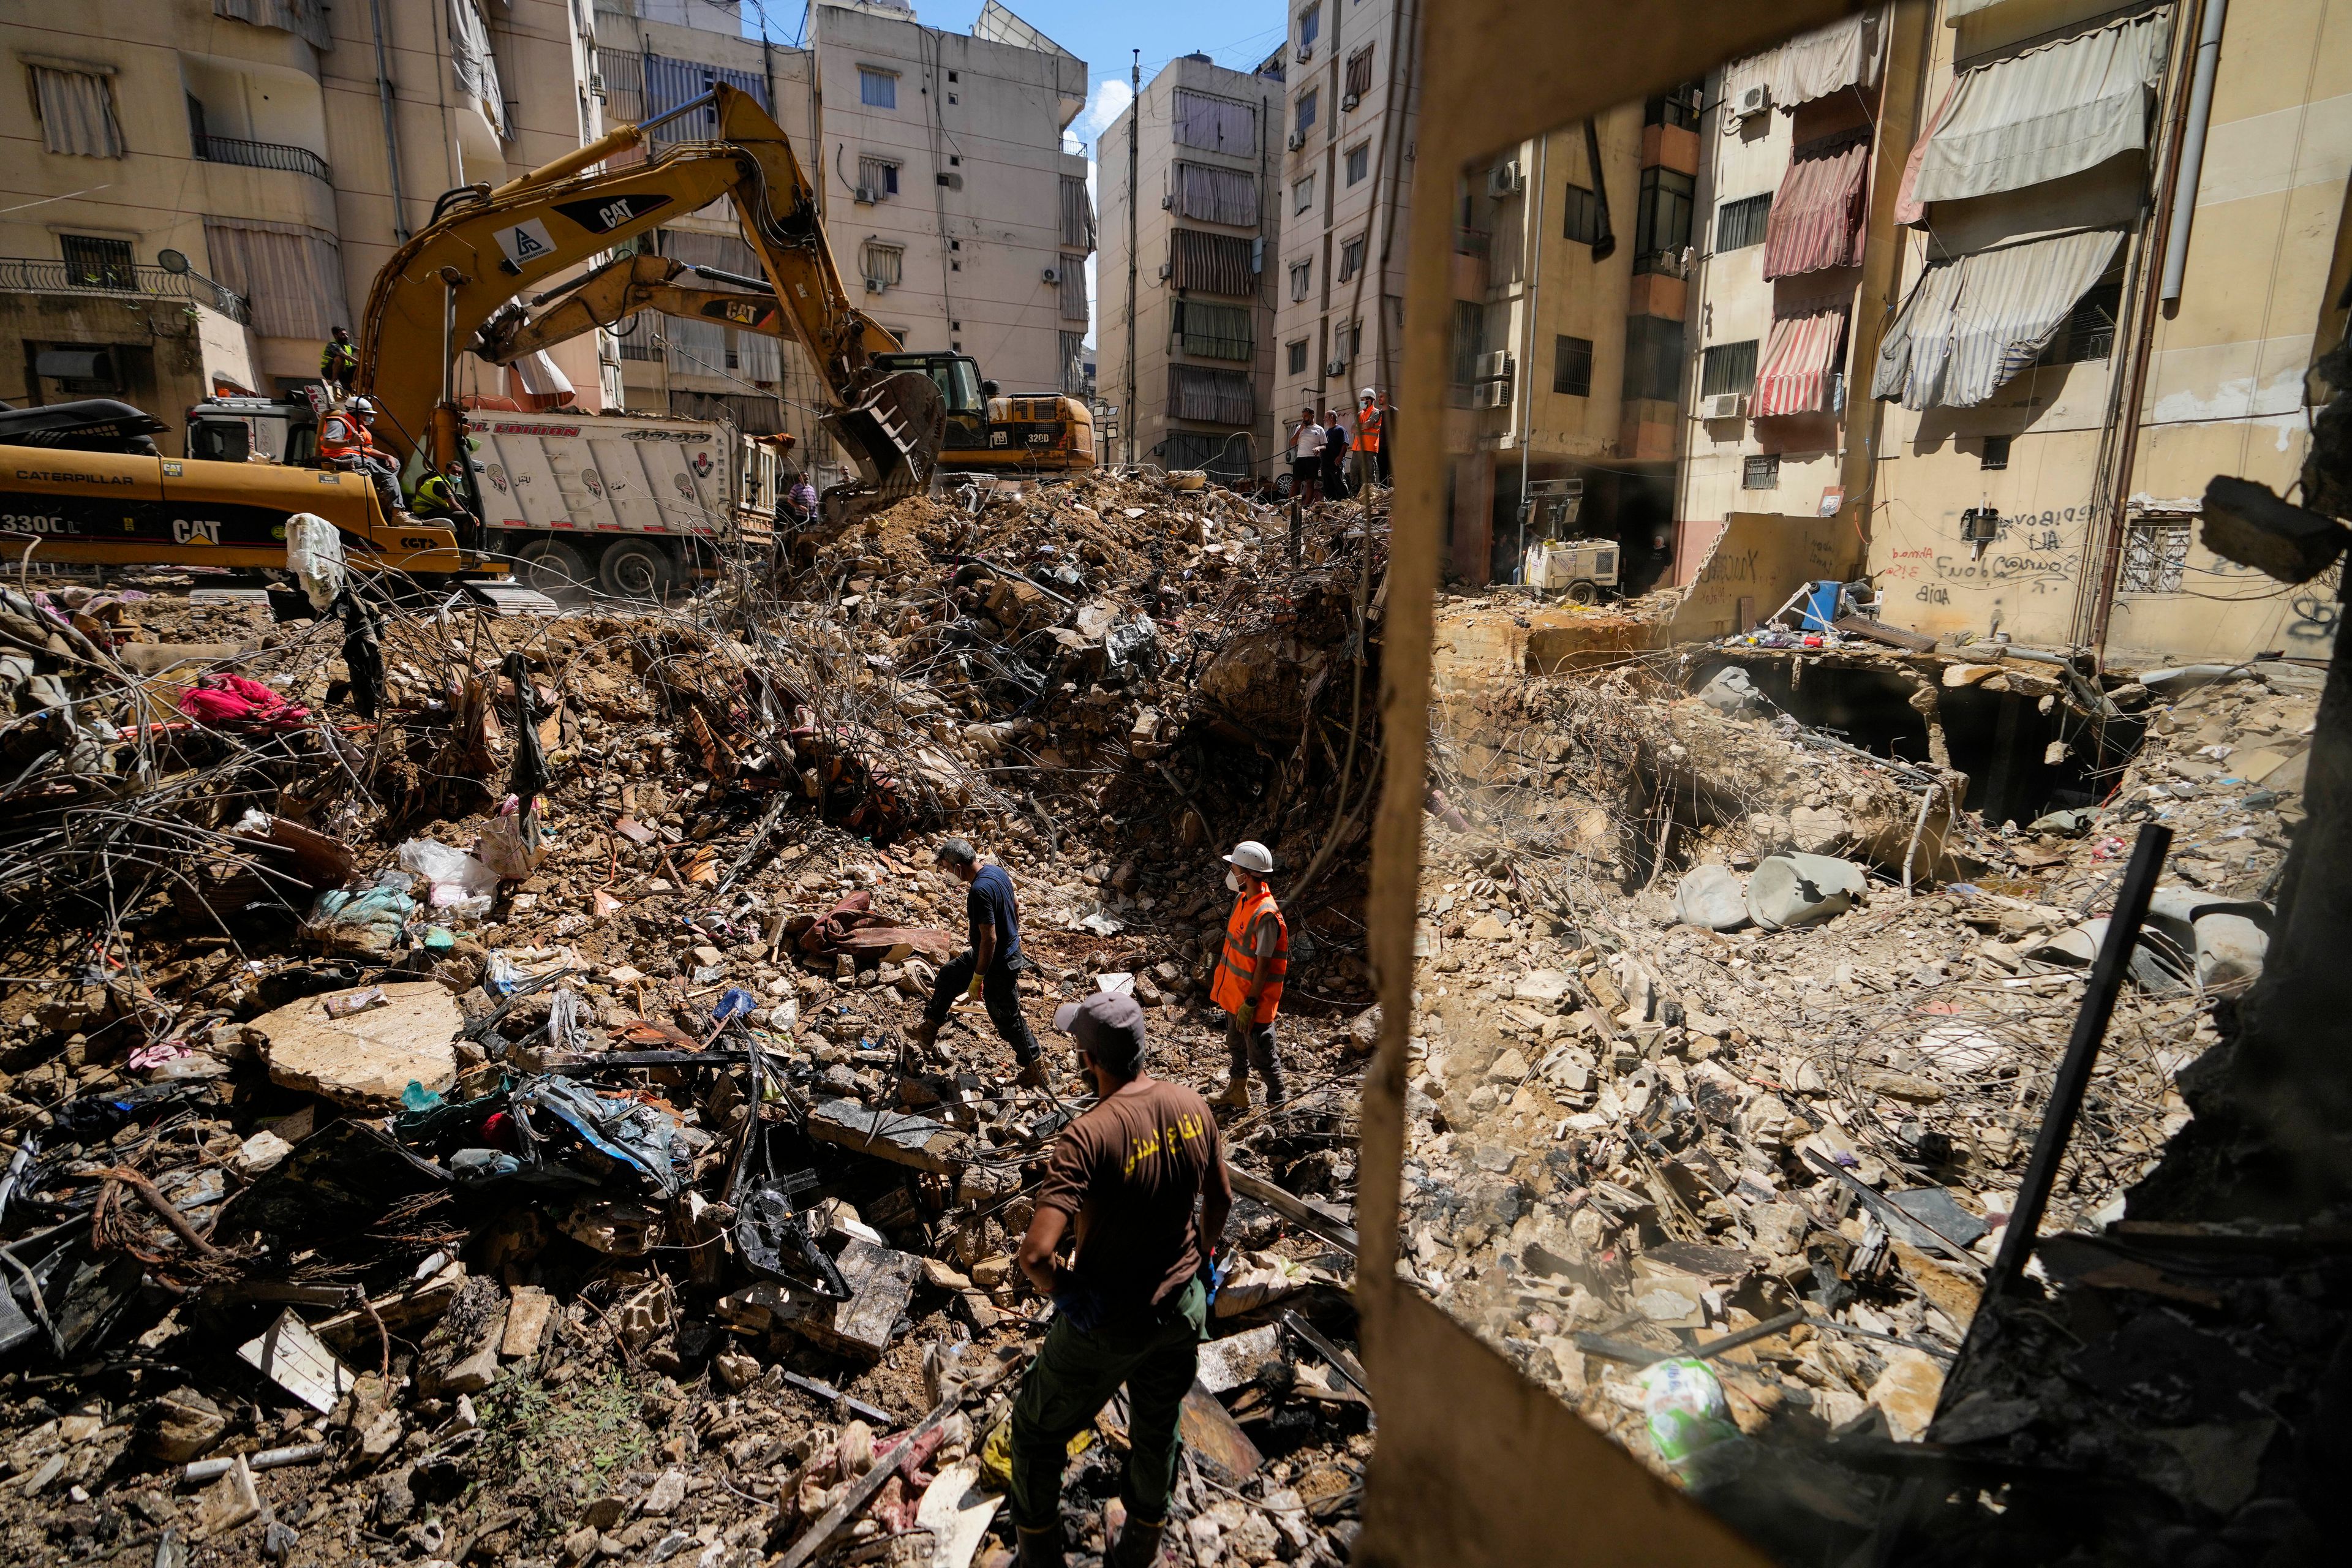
(1250, 969)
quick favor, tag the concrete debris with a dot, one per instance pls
(511, 1061)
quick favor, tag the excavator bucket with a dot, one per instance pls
(893, 433)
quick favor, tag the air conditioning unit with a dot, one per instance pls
(952, 182)
(1494, 394)
(1336, 367)
(1167, 201)
(863, 196)
(1724, 406)
(1306, 53)
(1981, 525)
(873, 286)
(1297, 140)
(1753, 100)
(1496, 366)
(1052, 275)
(1167, 270)
(1506, 179)
(1350, 102)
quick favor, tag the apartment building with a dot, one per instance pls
(2030, 273)
(1190, 218)
(947, 190)
(1569, 297)
(1345, 178)
(197, 190)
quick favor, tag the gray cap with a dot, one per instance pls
(1109, 1025)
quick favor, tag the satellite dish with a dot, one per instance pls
(171, 261)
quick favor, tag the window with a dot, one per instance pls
(1213, 263)
(1212, 332)
(1212, 195)
(1727, 367)
(1310, 25)
(1662, 228)
(1347, 337)
(878, 89)
(1360, 162)
(2089, 330)
(1760, 472)
(1302, 194)
(1307, 104)
(1995, 453)
(1654, 357)
(1469, 339)
(883, 264)
(1741, 223)
(878, 176)
(1571, 366)
(1352, 258)
(1359, 73)
(1678, 109)
(2156, 554)
(1215, 123)
(1302, 279)
(1299, 357)
(94, 263)
(293, 275)
(77, 113)
(1580, 215)
(1219, 397)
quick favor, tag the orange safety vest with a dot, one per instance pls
(1238, 964)
(1368, 430)
(341, 436)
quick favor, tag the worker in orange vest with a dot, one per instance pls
(346, 442)
(1366, 455)
(1248, 985)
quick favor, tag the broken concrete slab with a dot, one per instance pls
(1226, 1365)
(291, 1356)
(1712, 897)
(881, 1281)
(893, 1135)
(529, 1312)
(364, 1061)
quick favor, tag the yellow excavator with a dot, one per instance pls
(987, 432)
(84, 482)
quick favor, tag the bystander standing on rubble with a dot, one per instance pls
(1132, 1305)
(1335, 456)
(1248, 985)
(990, 969)
(1306, 457)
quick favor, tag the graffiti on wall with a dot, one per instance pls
(2033, 555)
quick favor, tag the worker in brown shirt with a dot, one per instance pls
(1130, 1306)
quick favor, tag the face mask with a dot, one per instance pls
(1234, 881)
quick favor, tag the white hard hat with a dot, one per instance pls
(1252, 856)
(1366, 396)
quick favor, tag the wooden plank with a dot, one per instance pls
(1215, 1439)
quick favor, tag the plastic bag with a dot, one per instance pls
(510, 845)
(453, 879)
(314, 553)
(1685, 1408)
(365, 920)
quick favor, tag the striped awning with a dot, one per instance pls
(2048, 112)
(1968, 325)
(1816, 219)
(1842, 55)
(1211, 263)
(1799, 360)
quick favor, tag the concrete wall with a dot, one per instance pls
(1147, 421)
(985, 114)
(1376, 206)
(262, 84)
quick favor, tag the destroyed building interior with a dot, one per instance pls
(462, 1100)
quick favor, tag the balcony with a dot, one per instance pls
(262, 156)
(35, 275)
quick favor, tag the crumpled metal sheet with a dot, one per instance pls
(626, 1132)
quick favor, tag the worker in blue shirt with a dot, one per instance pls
(990, 969)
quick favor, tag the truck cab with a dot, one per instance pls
(254, 429)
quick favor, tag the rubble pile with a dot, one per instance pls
(454, 1082)
(1731, 1034)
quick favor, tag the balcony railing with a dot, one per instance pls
(36, 275)
(262, 156)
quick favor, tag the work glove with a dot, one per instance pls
(974, 989)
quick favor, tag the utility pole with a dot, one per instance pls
(1134, 125)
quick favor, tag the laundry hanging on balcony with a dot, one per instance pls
(2046, 113)
(1816, 219)
(1800, 361)
(1969, 325)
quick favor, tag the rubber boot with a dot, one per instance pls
(1137, 1546)
(1043, 1548)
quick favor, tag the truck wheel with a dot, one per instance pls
(637, 569)
(1583, 592)
(553, 568)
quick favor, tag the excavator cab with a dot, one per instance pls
(989, 432)
(958, 378)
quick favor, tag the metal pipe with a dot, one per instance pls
(391, 132)
(596, 152)
(2192, 149)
